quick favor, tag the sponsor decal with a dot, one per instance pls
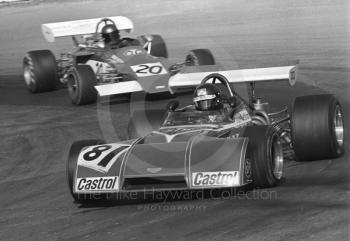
(148, 69)
(131, 52)
(115, 59)
(215, 179)
(202, 91)
(242, 117)
(160, 87)
(99, 67)
(102, 157)
(93, 184)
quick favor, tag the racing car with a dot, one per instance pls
(103, 63)
(238, 143)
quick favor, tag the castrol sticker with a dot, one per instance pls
(215, 179)
(96, 184)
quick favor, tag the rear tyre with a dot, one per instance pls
(144, 122)
(40, 71)
(317, 128)
(200, 57)
(72, 165)
(81, 82)
(265, 155)
(158, 47)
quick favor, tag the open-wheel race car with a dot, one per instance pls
(221, 140)
(103, 63)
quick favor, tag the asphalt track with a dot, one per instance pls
(37, 130)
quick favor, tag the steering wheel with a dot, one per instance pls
(105, 21)
(223, 80)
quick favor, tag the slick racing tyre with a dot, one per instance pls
(199, 57)
(40, 71)
(317, 128)
(72, 165)
(81, 82)
(158, 46)
(144, 122)
(265, 155)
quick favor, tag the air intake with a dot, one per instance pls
(155, 183)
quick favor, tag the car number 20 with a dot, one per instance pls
(148, 69)
(101, 157)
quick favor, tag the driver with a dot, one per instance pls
(112, 39)
(110, 35)
(208, 97)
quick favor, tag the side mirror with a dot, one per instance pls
(172, 105)
(232, 101)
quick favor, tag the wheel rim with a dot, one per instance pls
(72, 85)
(28, 73)
(277, 157)
(338, 126)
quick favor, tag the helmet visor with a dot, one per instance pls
(205, 104)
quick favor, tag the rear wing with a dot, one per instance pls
(81, 27)
(193, 75)
(196, 74)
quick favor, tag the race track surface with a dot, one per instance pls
(36, 131)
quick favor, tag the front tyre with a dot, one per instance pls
(157, 45)
(317, 127)
(265, 154)
(81, 83)
(72, 166)
(40, 71)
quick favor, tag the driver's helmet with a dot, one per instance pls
(110, 33)
(207, 97)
